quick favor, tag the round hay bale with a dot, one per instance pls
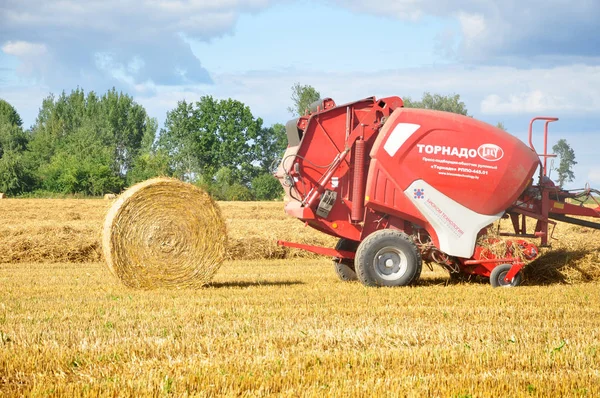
(164, 233)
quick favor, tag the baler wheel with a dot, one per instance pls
(498, 274)
(388, 258)
(344, 268)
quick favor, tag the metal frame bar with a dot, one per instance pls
(545, 155)
(325, 251)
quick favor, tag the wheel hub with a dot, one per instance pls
(503, 281)
(390, 263)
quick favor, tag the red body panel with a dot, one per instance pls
(479, 166)
(325, 136)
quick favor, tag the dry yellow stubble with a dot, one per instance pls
(164, 233)
(289, 328)
(285, 327)
(53, 230)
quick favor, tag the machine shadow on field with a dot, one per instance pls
(434, 281)
(554, 266)
(247, 284)
(450, 281)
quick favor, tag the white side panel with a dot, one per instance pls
(288, 160)
(401, 133)
(285, 167)
(455, 225)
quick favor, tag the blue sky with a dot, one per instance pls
(509, 60)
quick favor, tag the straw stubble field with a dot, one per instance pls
(282, 326)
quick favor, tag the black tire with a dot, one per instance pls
(498, 274)
(344, 268)
(388, 258)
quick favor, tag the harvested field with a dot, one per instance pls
(283, 327)
(290, 328)
(52, 230)
(70, 230)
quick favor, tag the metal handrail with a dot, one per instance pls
(545, 155)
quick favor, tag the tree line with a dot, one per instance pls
(87, 144)
(83, 143)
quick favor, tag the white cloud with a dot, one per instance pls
(68, 43)
(594, 176)
(535, 101)
(530, 32)
(405, 9)
(34, 57)
(571, 89)
(473, 26)
(24, 49)
(198, 18)
(489, 92)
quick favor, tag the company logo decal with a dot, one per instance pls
(419, 193)
(490, 152)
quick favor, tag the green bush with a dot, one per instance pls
(238, 192)
(267, 187)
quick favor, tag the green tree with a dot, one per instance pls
(267, 187)
(269, 147)
(149, 135)
(128, 125)
(204, 137)
(184, 142)
(302, 97)
(149, 165)
(88, 144)
(82, 165)
(501, 126)
(225, 186)
(9, 114)
(447, 103)
(150, 162)
(12, 137)
(567, 161)
(15, 173)
(239, 192)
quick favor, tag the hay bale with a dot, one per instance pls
(164, 233)
(2, 195)
(110, 196)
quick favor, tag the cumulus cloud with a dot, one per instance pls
(24, 49)
(29, 53)
(135, 44)
(473, 27)
(594, 176)
(535, 32)
(535, 101)
(571, 89)
(491, 93)
(95, 43)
